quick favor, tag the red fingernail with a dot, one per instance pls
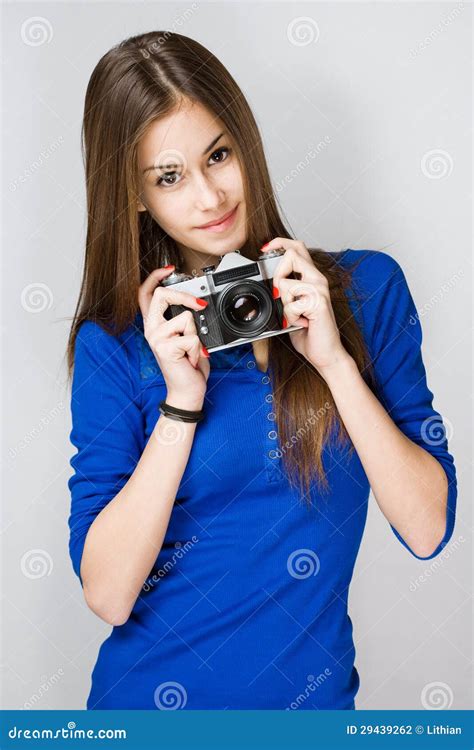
(264, 246)
(285, 322)
(201, 302)
(166, 267)
(204, 351)
(276, 293)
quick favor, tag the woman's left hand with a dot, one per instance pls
(307, 302)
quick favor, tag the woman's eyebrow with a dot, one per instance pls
(206, 150)
(168, 166)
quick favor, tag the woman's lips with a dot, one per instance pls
(224, 225)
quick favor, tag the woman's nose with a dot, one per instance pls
(208, 195)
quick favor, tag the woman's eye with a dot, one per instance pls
(164, 179)
(168, 179)
(221, 151)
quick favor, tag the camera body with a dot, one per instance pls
(239, 293)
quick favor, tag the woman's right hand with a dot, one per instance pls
(181, 358)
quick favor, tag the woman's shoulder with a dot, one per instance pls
(368, 264)
(375, 275)
(96, 346)
(96, 339)
(379, 294)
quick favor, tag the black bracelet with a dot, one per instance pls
(181, 415)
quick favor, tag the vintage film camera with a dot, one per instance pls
(240, 306)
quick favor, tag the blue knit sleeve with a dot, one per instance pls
(107, 429)
(394, 338)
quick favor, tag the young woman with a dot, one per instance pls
(222, 548)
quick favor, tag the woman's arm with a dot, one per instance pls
(414, 486)
(125, 538)
(409, 484)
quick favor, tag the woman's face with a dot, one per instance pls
(190, 176)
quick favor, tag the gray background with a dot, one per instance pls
(385, 90)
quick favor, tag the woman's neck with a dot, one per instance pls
(260, 352)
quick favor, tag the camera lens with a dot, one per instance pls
(245, 308)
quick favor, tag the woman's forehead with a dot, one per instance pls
(188, 130)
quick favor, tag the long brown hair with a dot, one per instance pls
(138, 81)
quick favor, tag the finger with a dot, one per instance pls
(179, 324)
(179, 346)
(280, 243)
(308, 301)
(293, 313)
(292, 289)
(296, 258)
(284, 243)
(197, 353)
(183, 323)
(145, 291)
(189, 345)
(190, 330)
(163, 297)
(292, 261)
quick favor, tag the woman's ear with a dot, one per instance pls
(140, 206)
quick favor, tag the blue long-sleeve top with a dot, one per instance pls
(246, 605)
